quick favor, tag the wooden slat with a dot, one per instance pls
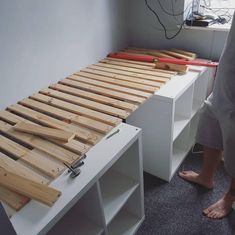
(64, 105)
(68, 116)
(187, 53)
(135, 70)
(156, 53)
(180, 68)
(95, 97)
(53, 150)
(37, 161)
(177, 55)
(86, 103)
(131, 74)
(73, 145)
(126, 90)
(103, 91)
(44, 131)
(13, 199)
(115, 81)
(126, 63)
(19, 169)
(29, 188)
(125, 78)
(82, 134)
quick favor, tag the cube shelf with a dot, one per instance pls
(169, 128)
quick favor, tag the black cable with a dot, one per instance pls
(160, 22)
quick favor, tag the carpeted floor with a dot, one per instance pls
(175, 208)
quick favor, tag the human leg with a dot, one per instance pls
(223, 206)
(210, 136)
(211, 159)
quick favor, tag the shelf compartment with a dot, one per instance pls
(124, 224)
(116, 188)
(180, 149)
(83, 218)
(129, 218)
(182, 111)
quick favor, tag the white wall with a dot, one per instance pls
(143, 31)
(43, 41)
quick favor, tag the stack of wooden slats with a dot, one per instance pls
(88, 103)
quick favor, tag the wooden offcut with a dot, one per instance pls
(44, 131)
(28, 188)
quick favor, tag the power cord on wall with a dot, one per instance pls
(168, 13)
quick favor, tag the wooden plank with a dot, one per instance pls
(187, 53)
(19, 169)
(86, 103)
(135, 70)
(13, 199)
(53, 150)
(29, 188)
(126, 63)
(77, 109)
(95, 97)
(44, 131)
(125, 90)
(130, 74)
(73, 145)
(35, 160)
(43, 119)
(180, 68)
(68, 116)
(121, 83)
(177, 55)
(103, 91)
(127, 78)
(156, 53)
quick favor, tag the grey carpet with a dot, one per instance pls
(175, 208)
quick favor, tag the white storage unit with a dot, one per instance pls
(106, 198)
(169, 121)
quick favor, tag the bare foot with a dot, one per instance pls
(193, 177)
(221, 208)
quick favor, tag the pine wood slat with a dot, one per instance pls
(135, 70)
(19, 169)
(177, 55)
(101, 117)
(130, 74)
(44, 131)
(187, 53)
(29, 188)
(86, 103)
(126, 63)
(95, 97)
(73, 145)
(43, 119)
(51, 149)
(156, 53)
(109, 86)
(103, 91)
(147, 64)
(13, 199)
(68, 116)
(115, 81)
(35, 160)
(125, 78)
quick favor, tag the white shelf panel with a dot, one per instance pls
(116, 189)
(76, 224)
(180, 122)
(124, 224)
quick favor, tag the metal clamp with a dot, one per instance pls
(74, 172)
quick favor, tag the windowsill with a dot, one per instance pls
(214, 27)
